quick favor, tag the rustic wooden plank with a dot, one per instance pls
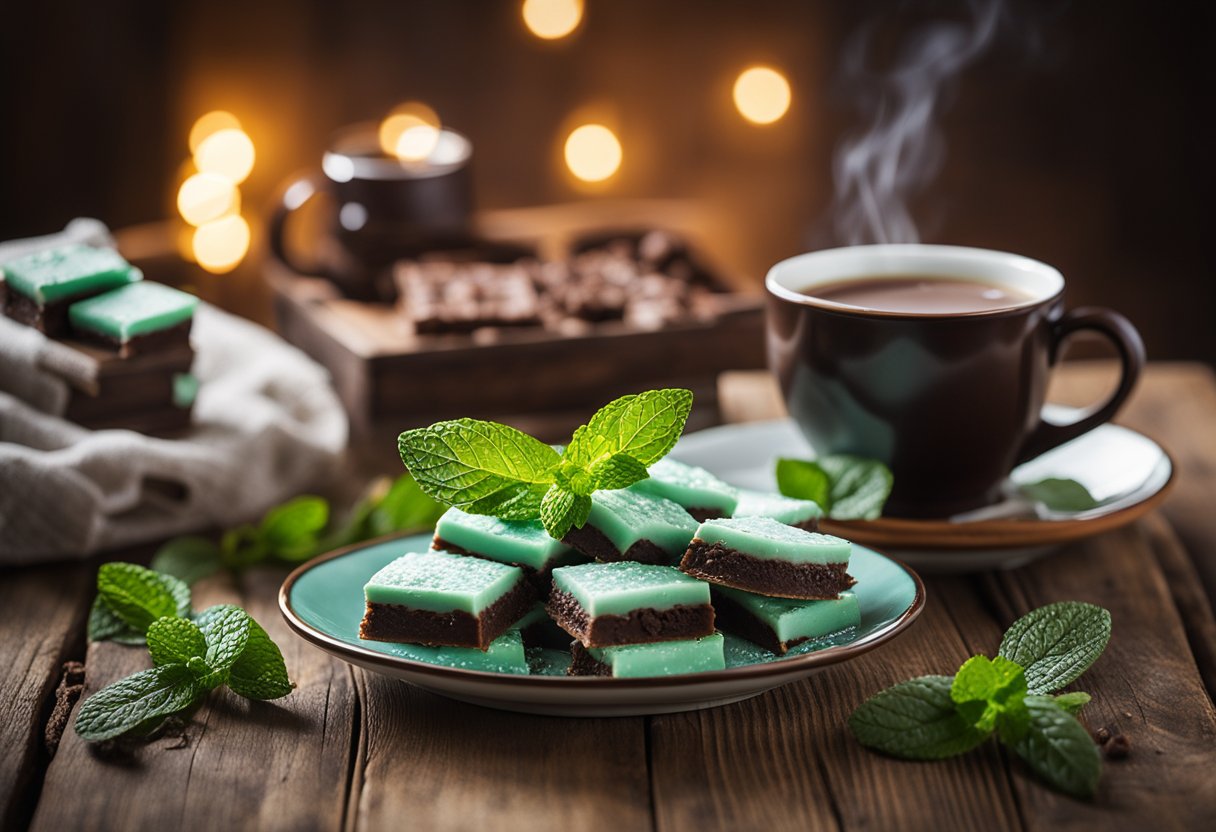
(42, 613)
(443, 765)
(276, 765)
(786, 759)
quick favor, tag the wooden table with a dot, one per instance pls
(352, 750)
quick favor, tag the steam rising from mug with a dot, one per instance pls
(877, 171)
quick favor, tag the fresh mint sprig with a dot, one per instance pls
(934, 717)
(845, 487)
(191, 655)
(487, 468)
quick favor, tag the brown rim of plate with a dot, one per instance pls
(895, 533)
(782, 667)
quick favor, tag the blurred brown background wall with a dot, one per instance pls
(1083, 137)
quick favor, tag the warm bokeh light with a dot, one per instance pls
(210, 123)
(221, 244)
(593, 152)
(207, 196)
(228, 152)
(410, 131)
(552, 19)
(762, 94)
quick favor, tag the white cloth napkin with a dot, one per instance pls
(267, 426)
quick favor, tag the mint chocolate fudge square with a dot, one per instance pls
(664, 658)
(523, 543)
(135, 318)
(699, 492)
(777, 624)
(804, 514)
(438, 598)
(765, 556)
(603, 604)
(631, 525)
(42, 285)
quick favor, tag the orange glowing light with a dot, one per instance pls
(762, 95)
(552, 19)
(410, 132)
(593, 152)
(228, 152)
(209, 123)
(207, 196)
(221, 244)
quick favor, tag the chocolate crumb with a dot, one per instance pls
(1118, 748)
(71, 685)
(1103, 736)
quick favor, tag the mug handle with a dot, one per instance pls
(303, 188)
(1120, 332)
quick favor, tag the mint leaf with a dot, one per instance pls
(1056, 643)
(1059, 749)
(1059, 494)
(242, 547)
(984, 689)
(188, 559)
(480, 467)
(136, 700)
(645, 426)
(562, 509)
(175, 641)
(139, 596)
(405, 507)
(915, 720)
(617, 471)
(104, 625)
(859, 487)
(290, 530)
(1072, 702)
(803, 480)
(226, 629)
(259, 672)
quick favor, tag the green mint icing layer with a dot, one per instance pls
(137, 309)
(67, 272)
(664, 658)
(776, 506)
(626, 516)
(504, 655)
(619, 588)
(791, 619)
(762, 537)
(185, 389)
(688, 485)
(442, 582)
(523, 543)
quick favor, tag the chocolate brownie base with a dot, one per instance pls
(582, 663)
(718, 564)
(641, 626)
(51, 319)
(173, 338)
(737, 620)
(541, 580)
(399, 623)
(595, 544)
(703, 514)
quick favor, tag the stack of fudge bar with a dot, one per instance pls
(134, 333)
(646, 587)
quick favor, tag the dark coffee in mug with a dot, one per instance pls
(933, 359)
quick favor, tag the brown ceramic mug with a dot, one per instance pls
(950, 401)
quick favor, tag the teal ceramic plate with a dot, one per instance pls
(323, 602)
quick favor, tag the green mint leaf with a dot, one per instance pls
(1059, 749)
(139, 596)
(188, 559)
(131, 702)
(405, 507)
(804, 480)
(983, 689)
(563, 509)
(259, 672)
(1072, 702)
(290, 531)
(104, 625)
(617, 471)
(1013, 721)
(480, 467)
(645, 426)
(1056, 643)
(859, 487)
(243, 547)
(175, 641)
(1059, 494)
(226, 629)
(915, 720)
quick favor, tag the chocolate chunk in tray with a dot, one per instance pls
(438, 297)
